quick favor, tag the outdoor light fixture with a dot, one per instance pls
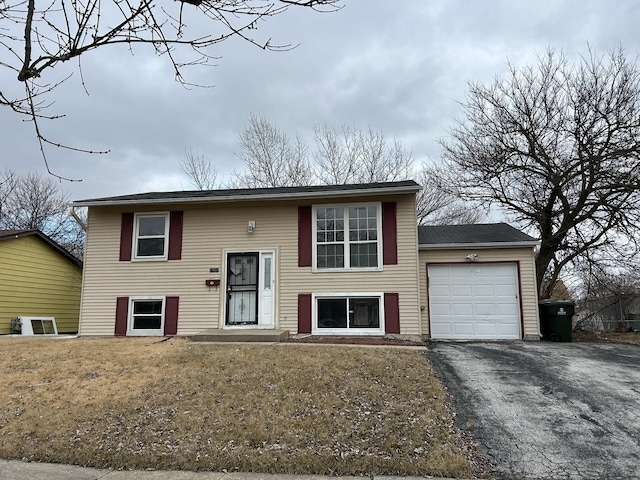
(472, 257)
(251, 226)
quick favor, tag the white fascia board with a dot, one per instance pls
(249, 197)
(466, 246)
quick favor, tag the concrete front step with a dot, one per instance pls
(257, 335)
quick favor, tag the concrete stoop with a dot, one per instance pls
(231, 336)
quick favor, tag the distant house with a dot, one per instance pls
(38, 278)
(320, 260)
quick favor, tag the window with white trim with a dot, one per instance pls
(146, 316)
(347, 237)
(358, 314)
(151, 238)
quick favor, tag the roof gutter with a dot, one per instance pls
(77, 218)
(250, 197)
(460, 246)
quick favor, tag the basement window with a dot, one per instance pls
(339, 314)
(147, 316)
(38, 326)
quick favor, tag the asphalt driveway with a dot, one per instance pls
(548, 410)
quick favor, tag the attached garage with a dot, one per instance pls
(478, 282)
(474, 301)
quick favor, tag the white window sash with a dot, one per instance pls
(347, 331)
(136, 237)
(159, 332)
(346, 243)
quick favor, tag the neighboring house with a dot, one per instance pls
(38, 278)
(321, 260)
(478, 282)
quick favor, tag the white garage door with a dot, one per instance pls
(474, 301)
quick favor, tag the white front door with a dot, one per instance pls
(265, 291)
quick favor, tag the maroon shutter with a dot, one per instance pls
(304, 236)
(389, 234)
(171, 316)
(126, 237)
(122, 312)
(175, 235)
(304, 313)
(391, 313)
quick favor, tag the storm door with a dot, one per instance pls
(242, 289)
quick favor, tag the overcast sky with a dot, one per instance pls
(398, 66)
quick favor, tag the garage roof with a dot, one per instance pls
(496, 235)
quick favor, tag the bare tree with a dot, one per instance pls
(557, 148)
(348, 155)
(7, 186)
(36, 202)
(38, 37)
(333, 157)
(198, 169)
(439, 206)
(356, 156)
(610, 296)
(271, 158)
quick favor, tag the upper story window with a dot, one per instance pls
(347, 237)
(151, 236)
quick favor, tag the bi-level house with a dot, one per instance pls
(322, 260)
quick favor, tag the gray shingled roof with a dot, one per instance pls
(255, 193)
(476, 234)
(8, 234)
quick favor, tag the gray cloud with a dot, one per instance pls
(398, 66)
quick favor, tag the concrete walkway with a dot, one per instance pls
(17, 470)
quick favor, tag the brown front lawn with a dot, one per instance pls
(632, 338)
(146, 403)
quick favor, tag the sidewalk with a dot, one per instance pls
(17, 470)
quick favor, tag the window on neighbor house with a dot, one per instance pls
(151, 236)
(350, 313)
(146, 316)
(35, 325)
(348, 237)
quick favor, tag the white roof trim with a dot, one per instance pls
(250, 197)
(460, 246)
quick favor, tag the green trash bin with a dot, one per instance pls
(556, 320)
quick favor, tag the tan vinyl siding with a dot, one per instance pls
(523, 256)
(212, 231)
(37, 281)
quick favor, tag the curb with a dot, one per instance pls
(19, 470)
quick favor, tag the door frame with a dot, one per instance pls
(223, 290)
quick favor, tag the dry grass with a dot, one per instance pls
(631, 338)
(141, 403)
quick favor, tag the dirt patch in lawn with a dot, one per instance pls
(145, 403)
(632, 338)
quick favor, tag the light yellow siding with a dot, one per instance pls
(523, 256)
(212, 231)
(36, 280)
